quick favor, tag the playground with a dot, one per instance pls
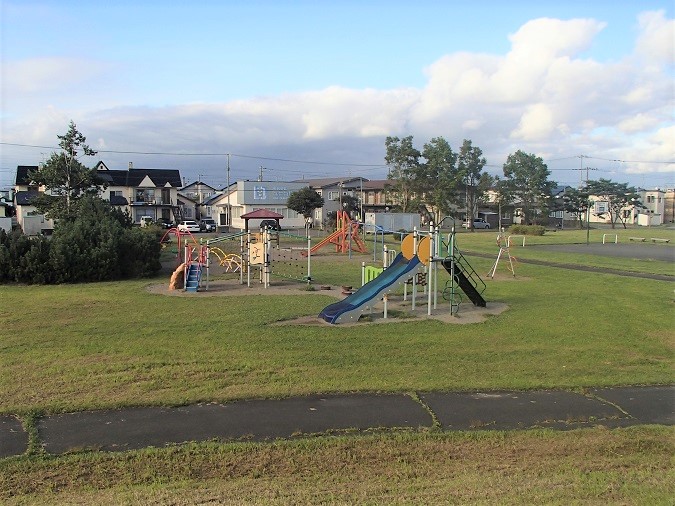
(127, 350)
(252, 259)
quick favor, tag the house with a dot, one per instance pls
(6, 209)
(199, 193)
(27, 216)
(332, 190)
(244, 197)
(149, 193)
(653, 213)
(669, 206)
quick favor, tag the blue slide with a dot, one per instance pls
(351, 308)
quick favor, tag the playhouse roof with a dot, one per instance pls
(262, 213)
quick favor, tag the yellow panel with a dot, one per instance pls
(408, 246)
(256, 254)
(423, 250)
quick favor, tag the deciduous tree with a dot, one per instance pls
(305, 201)
(526, 177)
(403, 160)
(470, 166)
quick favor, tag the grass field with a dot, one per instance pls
(115, 344)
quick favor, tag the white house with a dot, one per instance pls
(244, 197)
(651, 215)
(142, 192)
(149, 193)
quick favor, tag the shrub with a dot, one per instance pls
(99, 244)
(527, 229)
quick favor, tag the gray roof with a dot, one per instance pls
(332, 181)
(22, 174)
(130, 177)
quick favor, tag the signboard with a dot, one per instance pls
(268, 193)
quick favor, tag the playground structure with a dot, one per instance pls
(257, 253)
(504, 244)
(346, 238)
(165, 240)
(420, 253)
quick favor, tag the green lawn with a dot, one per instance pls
(589, 466)
(115, 344)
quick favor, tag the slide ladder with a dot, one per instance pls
(192, 277)
(466, 277)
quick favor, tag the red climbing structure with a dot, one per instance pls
(346, 236)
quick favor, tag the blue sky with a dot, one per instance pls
(286, 82)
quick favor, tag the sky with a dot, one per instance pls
(307, 89)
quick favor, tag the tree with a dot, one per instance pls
(304, 201)
(470, 167)
(526, 177)
(404, 167)
(576, 201)
(64, 178)
(619, 198)
(437, 178)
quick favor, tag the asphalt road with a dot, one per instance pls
(264, 420)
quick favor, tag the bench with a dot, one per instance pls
(640, 239)
(656, 239)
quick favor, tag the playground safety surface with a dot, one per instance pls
(399, 310)
(265, 420)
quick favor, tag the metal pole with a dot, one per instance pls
(309, 260)
(229, 207)
(431, 256)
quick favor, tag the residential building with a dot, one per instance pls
(653, 212)
(149, 193)
(28, 218)
(332, 190)
(199, 193)
(244, 197)
(669, 206)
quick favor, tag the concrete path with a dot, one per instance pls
(261, 420)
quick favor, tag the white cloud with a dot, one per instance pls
(541, 96)
(656, 42)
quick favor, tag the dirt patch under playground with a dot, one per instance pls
(399, 310)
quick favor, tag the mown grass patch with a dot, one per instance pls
(596, 466)
(115, 344)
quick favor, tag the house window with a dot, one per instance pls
(333, 195)
(116, 193)
(600, 207)
(146, 195)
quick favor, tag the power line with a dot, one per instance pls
(238, 155)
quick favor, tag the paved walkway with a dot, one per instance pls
(261, 420)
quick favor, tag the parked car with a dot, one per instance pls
(189, 226)
(165, 223)
(208, 225)
(271, 224)
(478, 223)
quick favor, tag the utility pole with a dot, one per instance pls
(260, 177)
(229, 207)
